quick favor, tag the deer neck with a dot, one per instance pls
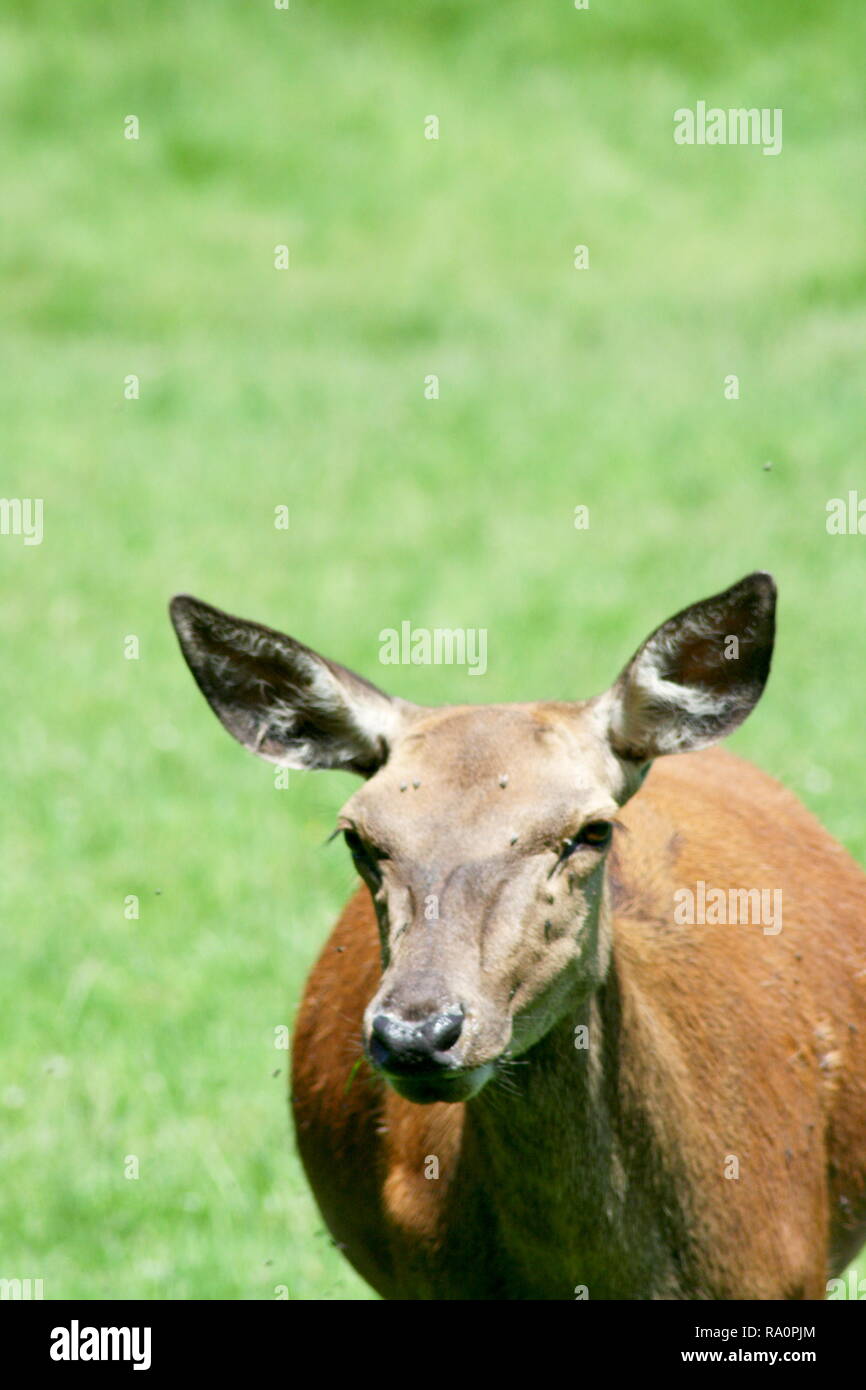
(562, 1148)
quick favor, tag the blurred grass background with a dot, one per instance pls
(258, 388)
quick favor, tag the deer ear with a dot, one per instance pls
(697, 676)
(282, 700)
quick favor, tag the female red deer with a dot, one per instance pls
(594, 1058)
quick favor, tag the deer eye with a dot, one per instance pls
(365, 856)
(596, 834)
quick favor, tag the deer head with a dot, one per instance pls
(483, 832)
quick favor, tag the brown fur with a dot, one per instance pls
(636, 1108)
(606, 1168)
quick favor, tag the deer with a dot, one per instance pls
(517, 1071)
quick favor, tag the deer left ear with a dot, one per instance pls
(698, 676)
(282, 700)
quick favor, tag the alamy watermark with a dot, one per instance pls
(77, 1343)
(440, 646)
(855, 1290)
(707, 906)
(21, 1289)
(846, 516)
(738, 125)
(22, 516)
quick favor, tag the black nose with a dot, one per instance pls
(400, 1046)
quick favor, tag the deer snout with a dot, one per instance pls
(401, 1046)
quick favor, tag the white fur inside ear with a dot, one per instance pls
(651, 715)
(283, 701)
(359, 723)
(667, 716)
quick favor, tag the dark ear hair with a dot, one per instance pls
(697, 676)
(282, 700)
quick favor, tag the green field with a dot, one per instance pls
(259, 388)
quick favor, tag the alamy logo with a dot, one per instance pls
(706, 906)
(443, 646)
(76, 1343)
(738, 125)
(21, 1289)
(22, 516)
(856, 1288)
(846, 517)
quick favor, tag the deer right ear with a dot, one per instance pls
(697, 676)
(282, 700)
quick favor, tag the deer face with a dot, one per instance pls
(482, 841)
(482, 832)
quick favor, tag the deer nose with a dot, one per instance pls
(399, 1046)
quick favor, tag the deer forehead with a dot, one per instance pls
(489, 777)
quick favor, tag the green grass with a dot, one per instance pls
(154, 1037)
